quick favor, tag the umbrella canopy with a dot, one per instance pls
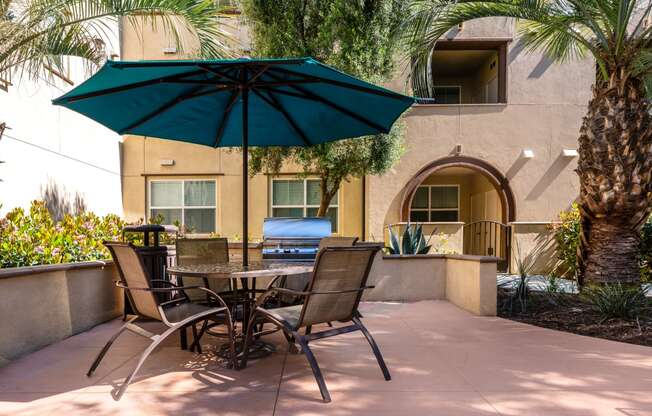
(242, 102)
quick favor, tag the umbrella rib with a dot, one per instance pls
(201, 82)
(260, 72)
(309, 95)
(125, 87)
(194, 93)
(273, 101)
(227, 112)
(285, 83)
(344, 84)
(219, 74)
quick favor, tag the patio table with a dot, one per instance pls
(244, 296)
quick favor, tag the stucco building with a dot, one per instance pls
(489, 160)
(52, 153)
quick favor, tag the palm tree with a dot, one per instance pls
(36, 34)
(615, 139)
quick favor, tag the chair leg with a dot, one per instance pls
(374, 347)
(303, 341)
(142, 359)
(231, 333)
(197, 337)
(104, 350)
(247, 340)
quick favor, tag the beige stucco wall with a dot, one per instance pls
(545, 104)
(471, 285)
(466, 281)
(43, 304)
(535, 245)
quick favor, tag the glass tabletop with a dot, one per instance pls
(235, 269)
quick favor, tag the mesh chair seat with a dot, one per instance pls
(178, 313)
(288, 315)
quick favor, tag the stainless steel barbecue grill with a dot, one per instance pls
(293, 239)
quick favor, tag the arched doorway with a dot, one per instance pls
(469, 192)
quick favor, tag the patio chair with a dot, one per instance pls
(192, 251)
(176, 313)
(337, 242)
(300, 282)
(334, 292)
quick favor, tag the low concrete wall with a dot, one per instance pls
(41, 305)
(407, 278)
(471, 284)
(537, 244)
(466, 281)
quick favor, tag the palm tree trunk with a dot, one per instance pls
(615, 169)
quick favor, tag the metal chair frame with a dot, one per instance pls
(221, 313)
(292, 334)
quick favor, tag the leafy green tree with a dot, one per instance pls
(35, 35)
(355, 36)
(334, 162)
(615, 139)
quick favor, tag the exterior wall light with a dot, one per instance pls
(166, 162)
(569, 153)
(527, 154)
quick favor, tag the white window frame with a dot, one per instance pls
(459, 91)
(182, 207)
(429, 208)
(335, 203)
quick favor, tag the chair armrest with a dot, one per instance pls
(167, 282)
(216, 297)
(273, 290)
(156, 289)
(270, 285)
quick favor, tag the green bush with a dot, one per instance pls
(567, 237)
(33, 237)
(617, 301)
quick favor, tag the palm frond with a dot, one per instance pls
(42, 27)
(564, 29)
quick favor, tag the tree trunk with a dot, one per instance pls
(615, 168)
(327, 194)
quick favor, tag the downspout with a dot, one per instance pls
(364, 208)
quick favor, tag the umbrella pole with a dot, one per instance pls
(245, 176)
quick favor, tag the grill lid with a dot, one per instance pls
(309, 228)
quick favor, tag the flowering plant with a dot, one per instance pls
(34, 237)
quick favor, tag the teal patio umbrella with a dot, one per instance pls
(242, 102)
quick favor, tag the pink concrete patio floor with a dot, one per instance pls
(443, 360)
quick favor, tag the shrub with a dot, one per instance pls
(34, 237)
(567, 237)
(615, 300)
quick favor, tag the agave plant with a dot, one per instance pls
(412, 241)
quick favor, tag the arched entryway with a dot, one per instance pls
(469, 192)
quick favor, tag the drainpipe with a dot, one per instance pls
(364, 208)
